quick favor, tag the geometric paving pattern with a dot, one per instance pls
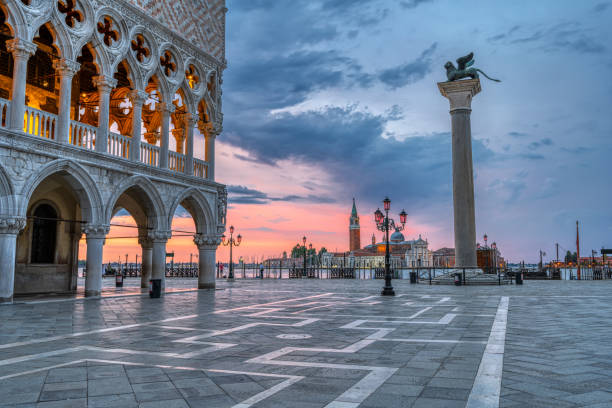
(312, 344)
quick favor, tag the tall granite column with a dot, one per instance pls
(460, 94)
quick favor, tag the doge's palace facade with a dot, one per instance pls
(102, 106)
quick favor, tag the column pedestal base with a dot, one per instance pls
(92, 293)
(473, 276)
(206, 286)
(387, 292)
(6, 300)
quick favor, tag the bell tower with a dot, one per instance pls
(354, 230)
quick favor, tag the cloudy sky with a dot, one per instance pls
(325, 100)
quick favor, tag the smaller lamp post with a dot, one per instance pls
(232, 243)
(384, 223)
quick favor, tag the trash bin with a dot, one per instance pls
(413, 277)
(519, 278)
(155, 288)
(119, 280)
(457, 279)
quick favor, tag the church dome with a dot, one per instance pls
(396, 237)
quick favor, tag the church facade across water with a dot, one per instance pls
(410, 253)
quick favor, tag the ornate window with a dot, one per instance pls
(167, 63)
(192, 77)
(140, 48)
(69, 8)
(44, 234)
(107, 31)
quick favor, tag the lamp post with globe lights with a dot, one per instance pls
(232, 242)
(384, 223)
(305, 252)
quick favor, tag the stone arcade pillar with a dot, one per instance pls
(460, 94)
(207, 246)
(209, 138)
(166, 110)
(158, 257)
(22, 50)
(190, 121)
(138, 98)
(94, 236)
(147, 261)
(105, 86)
(9, 229)
(66, 70)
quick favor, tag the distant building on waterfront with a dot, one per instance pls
(354, 230)
(403, 252)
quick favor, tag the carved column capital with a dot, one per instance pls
(159, 236)
(207, 241)
(138, 97)
(145, 242)
(165, 108)
(21, 48)
(191, 119)
(460, 93)
(95, 231)
(66, 68)
(104, 83)
(12, 225)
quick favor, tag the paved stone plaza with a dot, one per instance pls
(312, 344)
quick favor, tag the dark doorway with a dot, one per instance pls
(44, 234)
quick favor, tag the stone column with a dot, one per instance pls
(94, 236)
(138, 98)
(209, 138)
(460, 94)
(9, 229)
(66, 70)
(166, 109)
(207, 246)
(105, 86)
(158, 257)
(22, 51)
(147, 261)
(190, 121)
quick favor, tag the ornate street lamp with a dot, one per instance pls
(305, 253)
(232, 243)
(384, 223)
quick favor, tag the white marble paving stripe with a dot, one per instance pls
(272, 303)
(354, 395)
(433, 341)
(487, 384)
(289, 379)
(420, 312)
(320, 307)
(304, 322)
(78, 334)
